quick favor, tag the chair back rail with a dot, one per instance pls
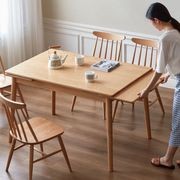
(54, 47)
(145, 56)
(108, 46)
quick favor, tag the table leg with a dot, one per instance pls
(109, 133)
(53, 93)
(147, 117)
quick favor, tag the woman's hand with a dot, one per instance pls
(143, 93)
(164, 78)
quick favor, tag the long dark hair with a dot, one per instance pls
(159, 11)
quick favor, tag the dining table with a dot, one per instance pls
(70, 79)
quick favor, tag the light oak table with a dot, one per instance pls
(70, 79)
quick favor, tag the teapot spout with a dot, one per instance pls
(64, 59)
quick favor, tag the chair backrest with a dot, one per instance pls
(2, 66)
(108, 46)
(145, 52)
(18, 120)
(54, 47)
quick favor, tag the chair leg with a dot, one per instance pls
(22, 99)
(104, 110)
(42, 149)
(159, 100)
(147, 117)
(53, 94)
(10, 154)
(31, 158)
(64, 153)
(115, 109)
(73, 103)
(10, 138)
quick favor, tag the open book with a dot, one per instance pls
(105, 65)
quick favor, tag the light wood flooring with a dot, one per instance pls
(85, 141)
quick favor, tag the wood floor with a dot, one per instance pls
(85, 141)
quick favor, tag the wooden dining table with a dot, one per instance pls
(70, 79)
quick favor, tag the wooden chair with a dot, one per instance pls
(107, 46)
(6, 82)
(145, 54)
(53, 93)
(31, 132)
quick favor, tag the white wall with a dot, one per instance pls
(126, 15)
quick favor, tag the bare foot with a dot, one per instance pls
(178, 162)
(159, 162)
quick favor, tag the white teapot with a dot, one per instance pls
(55, 61)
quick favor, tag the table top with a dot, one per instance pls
(72, 76)
(130, 93)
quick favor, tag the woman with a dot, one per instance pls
(169, 59)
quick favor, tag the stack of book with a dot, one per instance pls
(105, 65)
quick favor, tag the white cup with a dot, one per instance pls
(90, 76)
(79, 60)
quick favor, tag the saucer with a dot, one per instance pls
(89, 80)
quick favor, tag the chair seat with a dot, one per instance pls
(43, 128)
(5, 81)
